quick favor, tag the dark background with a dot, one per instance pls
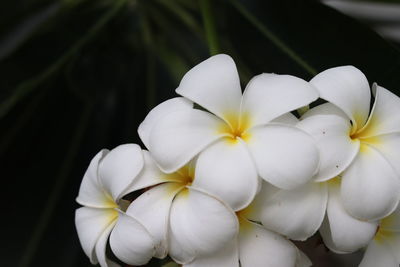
(77, 76)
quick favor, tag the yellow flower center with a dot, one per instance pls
(237, 127)
(365, 135)
(382, 232)
(184, 176)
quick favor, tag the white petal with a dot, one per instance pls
(285, 156)
(385, 114)
(296, 213)
(254, 211)
(325, 109)
(91, 193)
(370, 187)
(131, 242)
(227, 171)
(150, 175)
(394, 244)
(302, 260)
(389, 146)
(261, 247)
(331, 133)
(119, 168)
(392, 222)
(325, 231)
(152, 210)
(348, 88)
(348, 233)
(269, 96)
(378, 254)
(227, 257)
(90, 224)
(101, 247)
(287, 118)
(199, 225)
(176, 139)
(157, 113)
(213, 84)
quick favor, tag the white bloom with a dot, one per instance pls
(255, 246)
(184, 221)
(298, 213)
(104, 184)
(235, 133)
(362, 147)
(384, 249)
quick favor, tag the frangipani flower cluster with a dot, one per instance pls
(228, 178)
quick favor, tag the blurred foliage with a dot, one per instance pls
(79, 75)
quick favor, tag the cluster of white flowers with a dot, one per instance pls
(229, 178)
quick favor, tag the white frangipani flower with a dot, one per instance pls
(362, 147)
(104, 184)
(298, 213)
(235, 133)
(384, 249)
(185, 221)
(255, 246)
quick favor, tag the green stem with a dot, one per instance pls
(27, 87)
(303, 110)
(273, 38)
(62, 177)
(182, 14)
(209, 26)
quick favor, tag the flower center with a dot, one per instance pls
(186, 174)
(382, 234)
(237, 127)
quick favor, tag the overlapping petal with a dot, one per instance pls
(150, 175)
(226, 170)
(131, 242)
(213, 84)
(101, 247)
(158, 112)
(389, 146)
(228, 256)
(152, 210)
(199, 225)
(269, 96)
(385, 114)
(378, 254)
(260, 247)
(392, 222)
(296, 213)
(347, 233)
(176, 139)
(370, 187)
(331, 132)
(119, 168)
(394, 244)
(285, 156)
(90, 224)
(347, 88)
(287, 118)
(91, 193)
(302, 260)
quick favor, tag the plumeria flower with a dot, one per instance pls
(384, 249)
(184, 221)
(299, 213)
(255, 246)
(102, 215)
(360, 145)
(233, 134)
